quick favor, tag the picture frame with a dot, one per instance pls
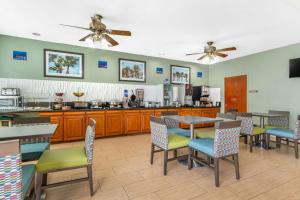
(180, 74)
(63, 64)
(132, 70)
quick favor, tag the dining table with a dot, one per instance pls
(193, 120)
(27, 131)
(262, 117)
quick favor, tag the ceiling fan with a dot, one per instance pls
(211, 51)
(100, 32)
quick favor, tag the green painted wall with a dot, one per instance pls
(268, 72)
(33, 67)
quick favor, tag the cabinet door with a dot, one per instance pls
(74, 126)
(208, 113)
(158, 112)
(145, 120)
(185, 112)
(100, 122)
(132, 121)
(197, 112)
(56, 118)
(114, 123)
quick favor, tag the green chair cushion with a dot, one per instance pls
(28, 172)
(271, 127)
(33, 151)
(210, 134)
(258, 130)
(179, 131)
(61, 159)
(177, 141)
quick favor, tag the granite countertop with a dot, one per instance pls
(84, 110)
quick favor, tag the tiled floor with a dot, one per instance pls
(122, 171)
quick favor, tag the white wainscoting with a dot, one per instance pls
(101, 91)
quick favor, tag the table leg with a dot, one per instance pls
(192, 131)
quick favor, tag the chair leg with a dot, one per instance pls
(216, 168)
(287, 142)
(236, 165)
(264, 140)
(152, 153)
(267, 141)
(251, 143)
(245, 139)
(90, 175)
(190, 158)
(38, 185)
(296, 148)
(175, 153)
(45, 178)
(165, 161)
(278, 141)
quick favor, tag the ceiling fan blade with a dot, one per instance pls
(189, 54)
(110, 40)
(118, 32)
(86, 37)
(227, 49)
(220, 54)
(202, 57)
(74, 26)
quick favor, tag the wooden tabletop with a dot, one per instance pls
(21, 132)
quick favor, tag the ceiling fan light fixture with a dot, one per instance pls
(90, 42)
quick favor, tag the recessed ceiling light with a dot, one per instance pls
(36, 34)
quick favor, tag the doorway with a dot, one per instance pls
(236, 93)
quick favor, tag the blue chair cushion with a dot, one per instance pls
(284, 133)
(179, 131)
(33, 151)
(28, 172)
(205, 146)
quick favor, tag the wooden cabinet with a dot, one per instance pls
(185, 112)
(114, 123)
(132, 121)
(197, 112)
(145, 120)
(56, 118)
(99, 116)
(74, 126)
(174, 110)
(158, 112)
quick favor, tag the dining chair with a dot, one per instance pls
(165, 142)
(32, 147)
(205, 133)
(173, 125)
(279, 122)
(247, 128)
(67, 159)
(16, 180)
(225, 144)
(293, 135)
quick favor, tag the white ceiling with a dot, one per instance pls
(161, 28)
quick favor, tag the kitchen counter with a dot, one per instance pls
(111, 122)
(93, 109)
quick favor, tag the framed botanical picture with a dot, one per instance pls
(63, 64)
(180, 75)
(132, 70)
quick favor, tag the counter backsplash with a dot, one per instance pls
(102, 91)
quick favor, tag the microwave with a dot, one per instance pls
(11, 102)
(10, 92)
